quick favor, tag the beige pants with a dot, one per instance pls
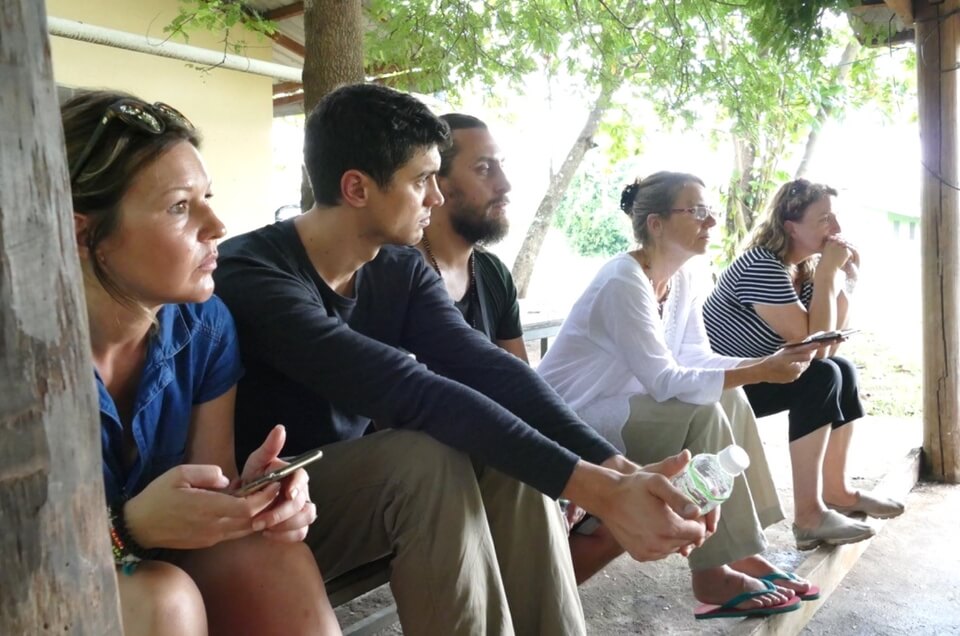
(474, 551)
(656, 430)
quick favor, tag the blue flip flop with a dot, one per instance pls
(729, 609)
(811, 595)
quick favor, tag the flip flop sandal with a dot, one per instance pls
(730, 610)
(811, 595)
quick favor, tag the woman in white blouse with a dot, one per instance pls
(633, 360)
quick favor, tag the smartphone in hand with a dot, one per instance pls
(823, 337)
(586, 526)
(276, 475)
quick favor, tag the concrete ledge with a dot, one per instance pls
(827, 566)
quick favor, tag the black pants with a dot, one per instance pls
(826, 393)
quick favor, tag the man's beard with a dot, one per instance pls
(475, 227)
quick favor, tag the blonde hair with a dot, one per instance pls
(789, 204)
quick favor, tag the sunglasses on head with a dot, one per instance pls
(147, 118)
(798, 187)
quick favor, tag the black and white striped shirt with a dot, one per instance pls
(756, 277)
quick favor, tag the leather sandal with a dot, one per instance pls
(834, 529)
(876, 507)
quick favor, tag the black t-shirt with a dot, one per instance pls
(499, 297)
(325, 365)
(471, 310)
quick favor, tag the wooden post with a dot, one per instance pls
(938, 39)
(56, 572)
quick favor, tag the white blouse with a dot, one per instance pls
(614, 345)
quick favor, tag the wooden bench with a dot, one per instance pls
(542, 330)
(366, 578)
(357, 582)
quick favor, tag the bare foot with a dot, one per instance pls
(757, 566)
(718, 585)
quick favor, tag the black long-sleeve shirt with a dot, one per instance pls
(325, 365)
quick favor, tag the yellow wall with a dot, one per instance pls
(233, 110)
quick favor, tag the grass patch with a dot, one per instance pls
(891, 379)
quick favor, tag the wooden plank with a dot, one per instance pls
(286, 88)
(284, 100)
(938, 38)
(827, 566)
(381, 619)
(541, 329)
(284, 13)
(289, 43)
(903, 9)
(350, 585)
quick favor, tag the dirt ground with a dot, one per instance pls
(630, 598)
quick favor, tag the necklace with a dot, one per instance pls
(645, 265)
(436, 266)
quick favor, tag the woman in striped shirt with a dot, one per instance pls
(794, 279)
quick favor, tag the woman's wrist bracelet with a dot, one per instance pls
(127, 553)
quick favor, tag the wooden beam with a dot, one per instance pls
(938, 39)
(285, 88)
(284, 13)
(295, 98)
(285, 41)
(903, 9)
(289, 43)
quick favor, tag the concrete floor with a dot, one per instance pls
(655, 598)
(906, 582)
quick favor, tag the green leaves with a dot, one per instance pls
(758, 73)
(588, 214)
(219, 17)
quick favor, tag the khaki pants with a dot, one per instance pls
(474, 551)
(656, 430)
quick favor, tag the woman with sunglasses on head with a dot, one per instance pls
(796, 278)
(192, 557)
(633, 360)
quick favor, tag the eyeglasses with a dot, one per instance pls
(147, 118)
(699, 212)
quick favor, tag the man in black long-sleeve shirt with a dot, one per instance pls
(328, 312)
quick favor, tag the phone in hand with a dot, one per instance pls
(823, 337)
(276, 475)
(586, 526)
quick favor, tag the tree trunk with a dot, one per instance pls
(740, 199)
(57, 575)
(938, 40)
(333, 33)
(824, 112)
(537, 232)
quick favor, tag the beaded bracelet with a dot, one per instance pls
(127, 553)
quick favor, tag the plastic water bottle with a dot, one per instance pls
(708, 479)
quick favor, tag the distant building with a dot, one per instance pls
(903, 226)
(233, 109)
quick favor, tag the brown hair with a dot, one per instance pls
(789, 204)
(119, 154)
(654, 195)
